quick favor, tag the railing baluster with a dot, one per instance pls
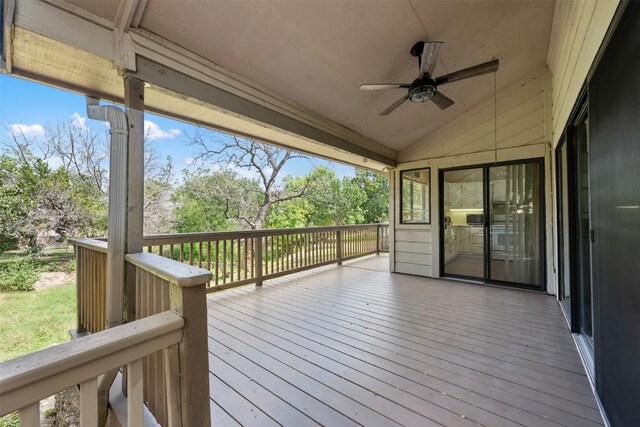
(224, 261)
(135, 396)
(200, 254)
(217, 262)
(30, 415)
(89, 403)
(232, 261)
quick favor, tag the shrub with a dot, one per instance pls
(70, 266)
(18, 276)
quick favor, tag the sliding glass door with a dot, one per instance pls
(492, 223)
(464, 242)
(515, 226)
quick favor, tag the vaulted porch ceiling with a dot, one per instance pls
(312, 56)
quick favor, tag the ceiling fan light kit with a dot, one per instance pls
(425, 87)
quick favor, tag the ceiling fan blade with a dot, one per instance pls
(393, 106)
(442, 100)
(476, 70)
(384, 86)
(429, 58)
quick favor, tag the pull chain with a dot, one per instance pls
(495, 118)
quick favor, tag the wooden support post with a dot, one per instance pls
(378, 239)
(258, 260)
(339, 246)
(190, 301)
(134, 107)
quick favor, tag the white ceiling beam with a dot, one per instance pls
(129, 14)
(162, 76)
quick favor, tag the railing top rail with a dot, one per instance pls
(176, 272)
(235, 234)
(37, 375)
(96, 245)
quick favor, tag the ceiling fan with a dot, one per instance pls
(425, 87)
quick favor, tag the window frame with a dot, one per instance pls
(401, 210)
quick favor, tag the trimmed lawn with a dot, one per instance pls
(31, 321)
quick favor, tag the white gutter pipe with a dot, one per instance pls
(117, 231)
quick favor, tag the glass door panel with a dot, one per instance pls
(515, 222)
(564, 261)
(584, 229)
(463, 232)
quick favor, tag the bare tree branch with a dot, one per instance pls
(265, 161)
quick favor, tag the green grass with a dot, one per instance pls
(31, 321)
(50, 256)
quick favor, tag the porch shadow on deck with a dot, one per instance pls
(356, 344)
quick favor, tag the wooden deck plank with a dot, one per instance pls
(411, 382)
(261, 397)
(330, 373)
(507, 321)
(222, 418)
(358, 345)
(529, 399)
(337, 401)
(236, 404)
(317, 411)
(398, 328)
(450, 315)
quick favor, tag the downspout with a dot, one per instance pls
(117, 228)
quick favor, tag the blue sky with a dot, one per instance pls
(34, 106)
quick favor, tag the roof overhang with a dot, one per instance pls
(92, 59)
(291, 83)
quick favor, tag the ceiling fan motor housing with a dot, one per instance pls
(422, 90)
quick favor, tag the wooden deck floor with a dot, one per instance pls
(356, 345)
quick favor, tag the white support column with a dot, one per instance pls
(134, 106)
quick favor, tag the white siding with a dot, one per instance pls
(413, 251)
(523, 119)
(578, 30)
(524, 131)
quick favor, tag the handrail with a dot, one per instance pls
(26, 380)
(93, 244)
(174, 272)
(158, 239)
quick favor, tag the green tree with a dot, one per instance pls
(334, 201)
(216, 200)
(35, 199)
(376, 188)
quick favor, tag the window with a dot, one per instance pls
(415, 190)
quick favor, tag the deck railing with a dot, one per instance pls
(163, 284)
(26, 380)
(252, 256)
(91, 280)
(234, 258)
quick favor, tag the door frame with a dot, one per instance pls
(486, 212)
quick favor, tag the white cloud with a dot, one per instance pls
(153, 131)
(79, 121)
(26, 130)
(189, 161)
